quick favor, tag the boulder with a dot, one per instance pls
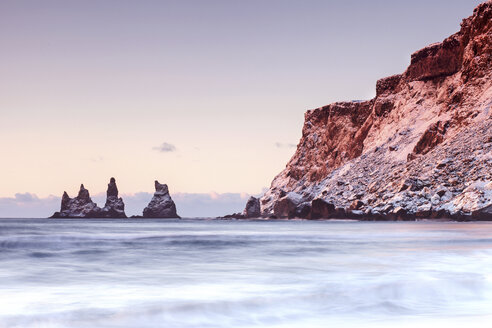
(321, 209)
(286, 206)
(484, 213)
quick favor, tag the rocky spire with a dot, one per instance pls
(112, 189)
(161, 205)
(82, 206)
(83, 194)
(114, 207)
(65, 201)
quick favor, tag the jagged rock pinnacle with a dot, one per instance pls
(112, 189)
(82, 206)
(161, 205)
(114, 207)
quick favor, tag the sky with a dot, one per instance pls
(207, 96)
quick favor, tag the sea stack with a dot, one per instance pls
(161, 205)
(421, 148)
(82, 206)
(114, 207)
(252, 209)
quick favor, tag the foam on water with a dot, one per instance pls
(196, 273)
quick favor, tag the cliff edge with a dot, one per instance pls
(420, 148)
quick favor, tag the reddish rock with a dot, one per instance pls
(484, 214)
(436, 60)
(328, 140)
(386, 149)
(356, 204)
(432, 137)
(320, 209)
(286, 207)
(387, 84)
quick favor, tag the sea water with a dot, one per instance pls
(212, 273)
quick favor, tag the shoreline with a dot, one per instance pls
(348, 220)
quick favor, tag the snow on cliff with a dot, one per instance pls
(421, 148)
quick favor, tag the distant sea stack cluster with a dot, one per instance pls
(422, 148)
(82, 206)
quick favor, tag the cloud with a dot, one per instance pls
(165, 148)
(27, 205)
(285, 145)
(26, 197)
(97, 159)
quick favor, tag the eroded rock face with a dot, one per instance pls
(82, 206)
(252, 209)
(161, 205)
(421, 148)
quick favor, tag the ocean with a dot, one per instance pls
(244, 273)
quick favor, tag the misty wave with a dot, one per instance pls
(244, 274)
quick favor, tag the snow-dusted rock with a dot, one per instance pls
(161, 205)
(114, 207)
(286, 206)
(412, 150)
(252, 209)
(82, 206)
(475, 200)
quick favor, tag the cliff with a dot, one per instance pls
(420, 148)
(82, 206)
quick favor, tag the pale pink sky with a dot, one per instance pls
(206, 96)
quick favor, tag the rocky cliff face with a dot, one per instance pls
(420, 148)
(161, 205)
(82, 206)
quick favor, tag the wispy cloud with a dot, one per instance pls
(165, 148)
(285, 145)
(28, 205)
(97, 159)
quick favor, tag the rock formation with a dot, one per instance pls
(114, 207)
(161, 205)
(252, 209)
(82, 206)
(421, 148)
